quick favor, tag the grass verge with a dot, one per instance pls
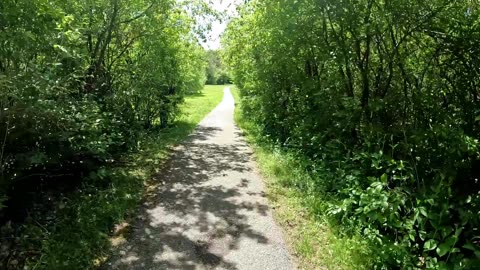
(316, 242)
(82, 235)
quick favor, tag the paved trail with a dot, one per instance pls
(211, 211)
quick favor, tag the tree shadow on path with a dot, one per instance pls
(199, 211)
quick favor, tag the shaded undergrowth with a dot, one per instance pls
(300, 209)
(75, 231)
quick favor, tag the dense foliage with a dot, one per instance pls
(217, 73)
(382, 98)
(80, 80)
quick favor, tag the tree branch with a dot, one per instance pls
(139, 15)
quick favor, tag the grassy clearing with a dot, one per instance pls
(314, 240)
(196, 107)
(82, 235)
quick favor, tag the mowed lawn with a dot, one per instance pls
(197, 106)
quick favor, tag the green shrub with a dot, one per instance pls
(80, 82)
(380, 98)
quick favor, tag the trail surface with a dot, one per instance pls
(210, 212)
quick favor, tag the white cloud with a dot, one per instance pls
(227, 7)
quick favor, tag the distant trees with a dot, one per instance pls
(383, 97)
(216, 71)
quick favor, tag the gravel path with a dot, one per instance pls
(210, 212)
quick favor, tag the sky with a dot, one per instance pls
(225, 7)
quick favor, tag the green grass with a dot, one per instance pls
(195, 108)
(83, 232)
(315, 242)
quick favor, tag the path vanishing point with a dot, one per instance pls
(210, 212)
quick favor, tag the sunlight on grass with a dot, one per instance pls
(197, 107)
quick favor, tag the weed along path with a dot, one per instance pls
(209, 210)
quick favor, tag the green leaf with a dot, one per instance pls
(469, 246)
(422, 234)
(443, 249)
(430, 245)
(384, 178)
(423, 211)
(446, 246)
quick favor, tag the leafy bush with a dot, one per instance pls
(80, 81)
(381, 99)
